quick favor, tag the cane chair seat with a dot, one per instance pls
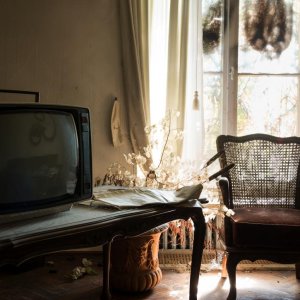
(270, 226)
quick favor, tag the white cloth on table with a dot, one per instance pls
(124, 198)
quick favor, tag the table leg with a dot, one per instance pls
(106, 268)
(198, 245)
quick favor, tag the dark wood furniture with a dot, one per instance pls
(263, 189)
(83, 226)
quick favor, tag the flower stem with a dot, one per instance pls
(166, 142)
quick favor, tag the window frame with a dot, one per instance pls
(231, 73)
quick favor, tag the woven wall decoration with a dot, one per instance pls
(268, 25)
(211, 26)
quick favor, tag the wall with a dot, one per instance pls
(69, 51)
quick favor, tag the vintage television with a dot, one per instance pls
(45, 159)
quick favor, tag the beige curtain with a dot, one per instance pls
(135, 17)
(134, 38)
(177, 60)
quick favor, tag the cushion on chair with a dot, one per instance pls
(273, 227)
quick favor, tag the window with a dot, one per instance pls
(249, 70)
(258, 90)
(263, 67)
(212, 41)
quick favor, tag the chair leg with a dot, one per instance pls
(224, 263)
(298, 270)
(232, 262)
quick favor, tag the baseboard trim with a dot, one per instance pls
(180, 260)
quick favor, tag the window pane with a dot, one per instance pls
(212, 112)
(269, 36)
(212, 35)
(267, 104)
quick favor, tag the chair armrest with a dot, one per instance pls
(223, 184)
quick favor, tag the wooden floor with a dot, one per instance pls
(51, 282)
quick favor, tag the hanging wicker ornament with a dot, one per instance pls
(211, 26)
(268, 25)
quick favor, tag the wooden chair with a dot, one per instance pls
(263, 190)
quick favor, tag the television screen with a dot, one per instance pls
(45, 156)
(39, 152)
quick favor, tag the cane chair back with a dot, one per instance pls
(266, 170)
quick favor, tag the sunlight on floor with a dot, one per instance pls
(213, 285)
(244, 283)
(176, 295)
(267, 284)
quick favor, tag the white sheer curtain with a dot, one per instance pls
(158, 57)
(175, 64)
(193, 146)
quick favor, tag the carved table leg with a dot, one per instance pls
(198, 245)
(106, 267)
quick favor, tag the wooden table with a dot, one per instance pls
(83, 226)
